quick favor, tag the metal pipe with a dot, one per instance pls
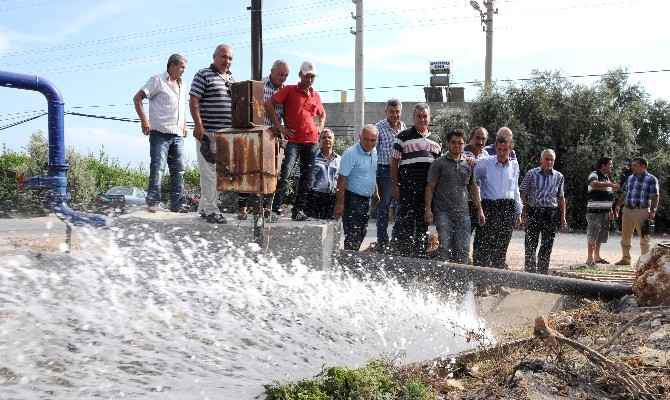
(56, 179)
(454, 275)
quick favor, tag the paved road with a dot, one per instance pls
(569, 248)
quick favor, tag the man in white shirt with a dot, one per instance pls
(166, 128)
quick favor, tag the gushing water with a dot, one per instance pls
(187, 320)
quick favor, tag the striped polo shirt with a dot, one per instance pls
(415, 153)
(216, 104)
(599, 200)
(543, 188)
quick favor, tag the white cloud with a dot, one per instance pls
(4, 42)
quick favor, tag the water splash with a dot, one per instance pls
(191, 319)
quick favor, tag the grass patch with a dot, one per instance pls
(378, 380)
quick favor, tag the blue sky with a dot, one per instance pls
(99, 53)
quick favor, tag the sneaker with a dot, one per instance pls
(623, 261)
(300, 216)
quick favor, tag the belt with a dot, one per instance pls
(356, 195)
(497, 200)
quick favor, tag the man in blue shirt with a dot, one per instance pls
(640, 201)
(356, 184)
(498, 179)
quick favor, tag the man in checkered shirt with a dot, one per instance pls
(640, 201)
(271, 85)
(388, 129)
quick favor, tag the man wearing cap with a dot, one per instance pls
(211, 109)
(166, 127)
(301, 105)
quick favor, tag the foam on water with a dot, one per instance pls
(169, 320)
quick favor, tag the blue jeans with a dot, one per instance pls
(355, 220)
(454, 234)
(294, 152)
(164, 146)
(385, 187)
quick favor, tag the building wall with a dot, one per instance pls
(340, 116)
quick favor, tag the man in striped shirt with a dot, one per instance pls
(413, 153)
(640, 201)
(388, 129)
(211, 109)
(599, 212)
(543, 211)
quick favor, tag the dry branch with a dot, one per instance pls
(619, 372)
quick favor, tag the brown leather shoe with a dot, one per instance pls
(623, 261)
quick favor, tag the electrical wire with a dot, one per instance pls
(2, 128)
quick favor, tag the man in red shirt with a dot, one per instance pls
(301, 105)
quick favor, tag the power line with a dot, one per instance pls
(2, 128)
(135, 120)
(201, 25)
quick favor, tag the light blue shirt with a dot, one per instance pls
(499, 181)
(360, 169)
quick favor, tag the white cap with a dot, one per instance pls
(307, 68)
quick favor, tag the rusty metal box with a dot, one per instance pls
(247, 160)
(248, 110)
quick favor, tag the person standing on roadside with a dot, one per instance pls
(640, 202)
(166, 128)
(356, 186)
(302, 104)
(543, 211)
(498, 179)
(413, 152)
(599, 209)
(211, 110)
(271, 85)
(388, 129)
(450, 185)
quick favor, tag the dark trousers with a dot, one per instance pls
(355, 219)
(410, 230)
(542, 222)
(385, 187)
(320, 205)
(492, 239)
(304, 154)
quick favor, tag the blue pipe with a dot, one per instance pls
(56, 179)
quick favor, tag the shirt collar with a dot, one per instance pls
(272, 85)
(213, 68)
(450, 156)
(362, 150)
(167, 78)
(422, 135)
(550, 172)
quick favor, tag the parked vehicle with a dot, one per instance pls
(122, 198)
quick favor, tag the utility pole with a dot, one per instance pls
(256, 39)
(487, 25)
(359, 105)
